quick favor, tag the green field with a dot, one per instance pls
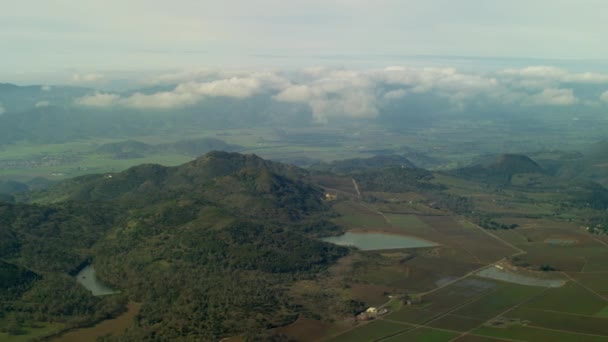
(371, 331)
(28, 334)
(423, 335)
(522, 333)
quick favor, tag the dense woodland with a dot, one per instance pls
(209, 247)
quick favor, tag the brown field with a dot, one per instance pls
(342, 185)
(577, 258)
(357, 215)
(372, 331)
(466, 236)
(402, 198)
(596, 282)
(305, 329)
(371, 295)
(115, 326)
(456, 323)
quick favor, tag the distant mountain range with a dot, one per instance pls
(131, 149)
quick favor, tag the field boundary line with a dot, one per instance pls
(561, 312)
(598, 240)
(502, 313)
(416, 326)
(495, 338)
(356, 187)
(584, 286)
(565, 331)
(457, 307)
(519, 250)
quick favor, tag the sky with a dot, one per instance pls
(42, 37)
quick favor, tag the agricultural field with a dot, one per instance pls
(457, 302)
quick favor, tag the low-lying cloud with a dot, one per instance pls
(87, 77)
(98, 100)
(555, 97)
(189, 93)
(41, 104)
(338, 93)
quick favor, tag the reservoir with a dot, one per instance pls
(378, 241)
(87, 278)
(495, 273)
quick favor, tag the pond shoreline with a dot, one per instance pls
(367, 240)
(88, 279)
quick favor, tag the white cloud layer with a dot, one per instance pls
(40, 104)
(87, 78)
(338, 93)
(549, 73)
(190, 93)
(98, 100)
(555, 97)
(604, 96)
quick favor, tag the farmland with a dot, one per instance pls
(454, 303)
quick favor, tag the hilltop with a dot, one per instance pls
(500, 169)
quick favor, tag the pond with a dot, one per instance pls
(87, 278)
(496, 273)
(561, 241)
(377, 241)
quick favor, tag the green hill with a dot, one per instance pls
(592, 165)
(209, 247)
(500, 169)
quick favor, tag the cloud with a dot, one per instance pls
(98, 100)
(162, 100)
(190, 93)
(42, 104)
(86, 78)
(2, 110)
(233, 87)
(540, 74)
(199, 75)
(604, 96)
(45, 88)
(341, 93)
(554, 97)
(363, 93)
(395, 94)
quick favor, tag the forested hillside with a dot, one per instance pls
(209, 248)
